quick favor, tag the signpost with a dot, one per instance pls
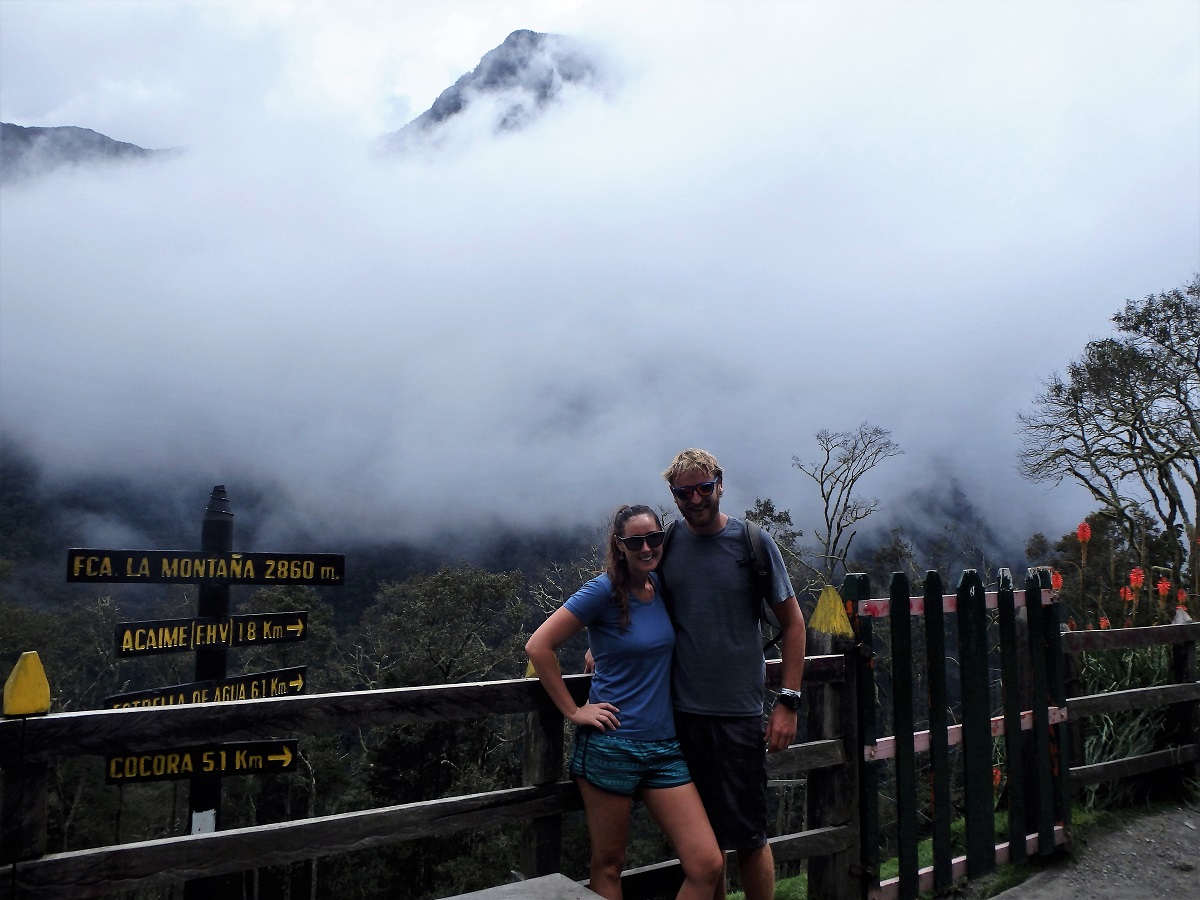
(166, 635)
(210, 634)
(183, 567)
(245, 758)
(277, 683)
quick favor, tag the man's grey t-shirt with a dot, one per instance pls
(719, 667)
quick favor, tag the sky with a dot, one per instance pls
(775, 218)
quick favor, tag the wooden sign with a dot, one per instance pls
(172, 635)
(255, 686)
(187, 567)
(245, 758)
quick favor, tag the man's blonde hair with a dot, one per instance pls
(692, 460)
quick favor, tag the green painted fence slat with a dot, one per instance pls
(858, 587)
(1056, 677)
(1010, 667)
(1039, 620)
(939, 733)
(976, 725)
(904, 728)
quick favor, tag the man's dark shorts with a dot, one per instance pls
(727, 757)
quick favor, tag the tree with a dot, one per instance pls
(453, 625)
(896, 554)
(846, 456)
(778, 522)
(448, 626)
(1124, 422)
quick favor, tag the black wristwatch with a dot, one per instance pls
(789, 698)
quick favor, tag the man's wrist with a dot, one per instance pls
(788, 699)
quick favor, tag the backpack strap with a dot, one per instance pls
(760, 567)
(758, 559)
(663, 588)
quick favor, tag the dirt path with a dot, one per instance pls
(1149, 856)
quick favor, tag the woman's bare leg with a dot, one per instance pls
(680, 814)
(608, 827)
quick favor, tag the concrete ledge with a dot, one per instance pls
(547, 887)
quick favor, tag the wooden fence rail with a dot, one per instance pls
(31, 740)
(1181, 697)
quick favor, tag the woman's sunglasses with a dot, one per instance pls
(705, 488)
(635, 542)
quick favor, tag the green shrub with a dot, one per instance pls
(1126, 733)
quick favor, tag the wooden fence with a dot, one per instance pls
(1012, 656)
(843, 754)
(28, 743)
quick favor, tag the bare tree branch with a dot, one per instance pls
(846, 456)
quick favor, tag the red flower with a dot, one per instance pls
(995, 777)
(1164, 587)
(1181, 596)
(1056, 580)
(1084, 531)
(1104, 623)
(1127, 594)
(1137, 577)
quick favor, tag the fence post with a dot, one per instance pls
(541, 837)
(832, 797)
(939, 729)
(1042, 810)
(1056, 686)
(858, 587)
(204, 796)
(976, 726)
(1184, 718)
(904, 728)
(1010, 663)
(24, 785)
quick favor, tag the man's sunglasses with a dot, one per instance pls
(635, 541)
(705, 488)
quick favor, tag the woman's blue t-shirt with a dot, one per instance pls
(633, 663)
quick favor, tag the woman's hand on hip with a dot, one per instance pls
(598, 715)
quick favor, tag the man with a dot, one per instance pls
(719, 668)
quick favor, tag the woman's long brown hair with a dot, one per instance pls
(614, 560)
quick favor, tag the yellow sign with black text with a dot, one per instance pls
(171, 635)
(184, 567)
(246, 758)
(255, 686)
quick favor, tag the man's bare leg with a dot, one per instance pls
(757, 868)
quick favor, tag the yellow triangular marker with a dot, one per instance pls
(27, 692)
(830, 615)
(531, 672)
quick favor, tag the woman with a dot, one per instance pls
(625, 736)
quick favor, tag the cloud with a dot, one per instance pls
(782, 221)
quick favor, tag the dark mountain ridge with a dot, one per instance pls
(27, 152)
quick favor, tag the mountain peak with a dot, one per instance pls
(516, 82)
